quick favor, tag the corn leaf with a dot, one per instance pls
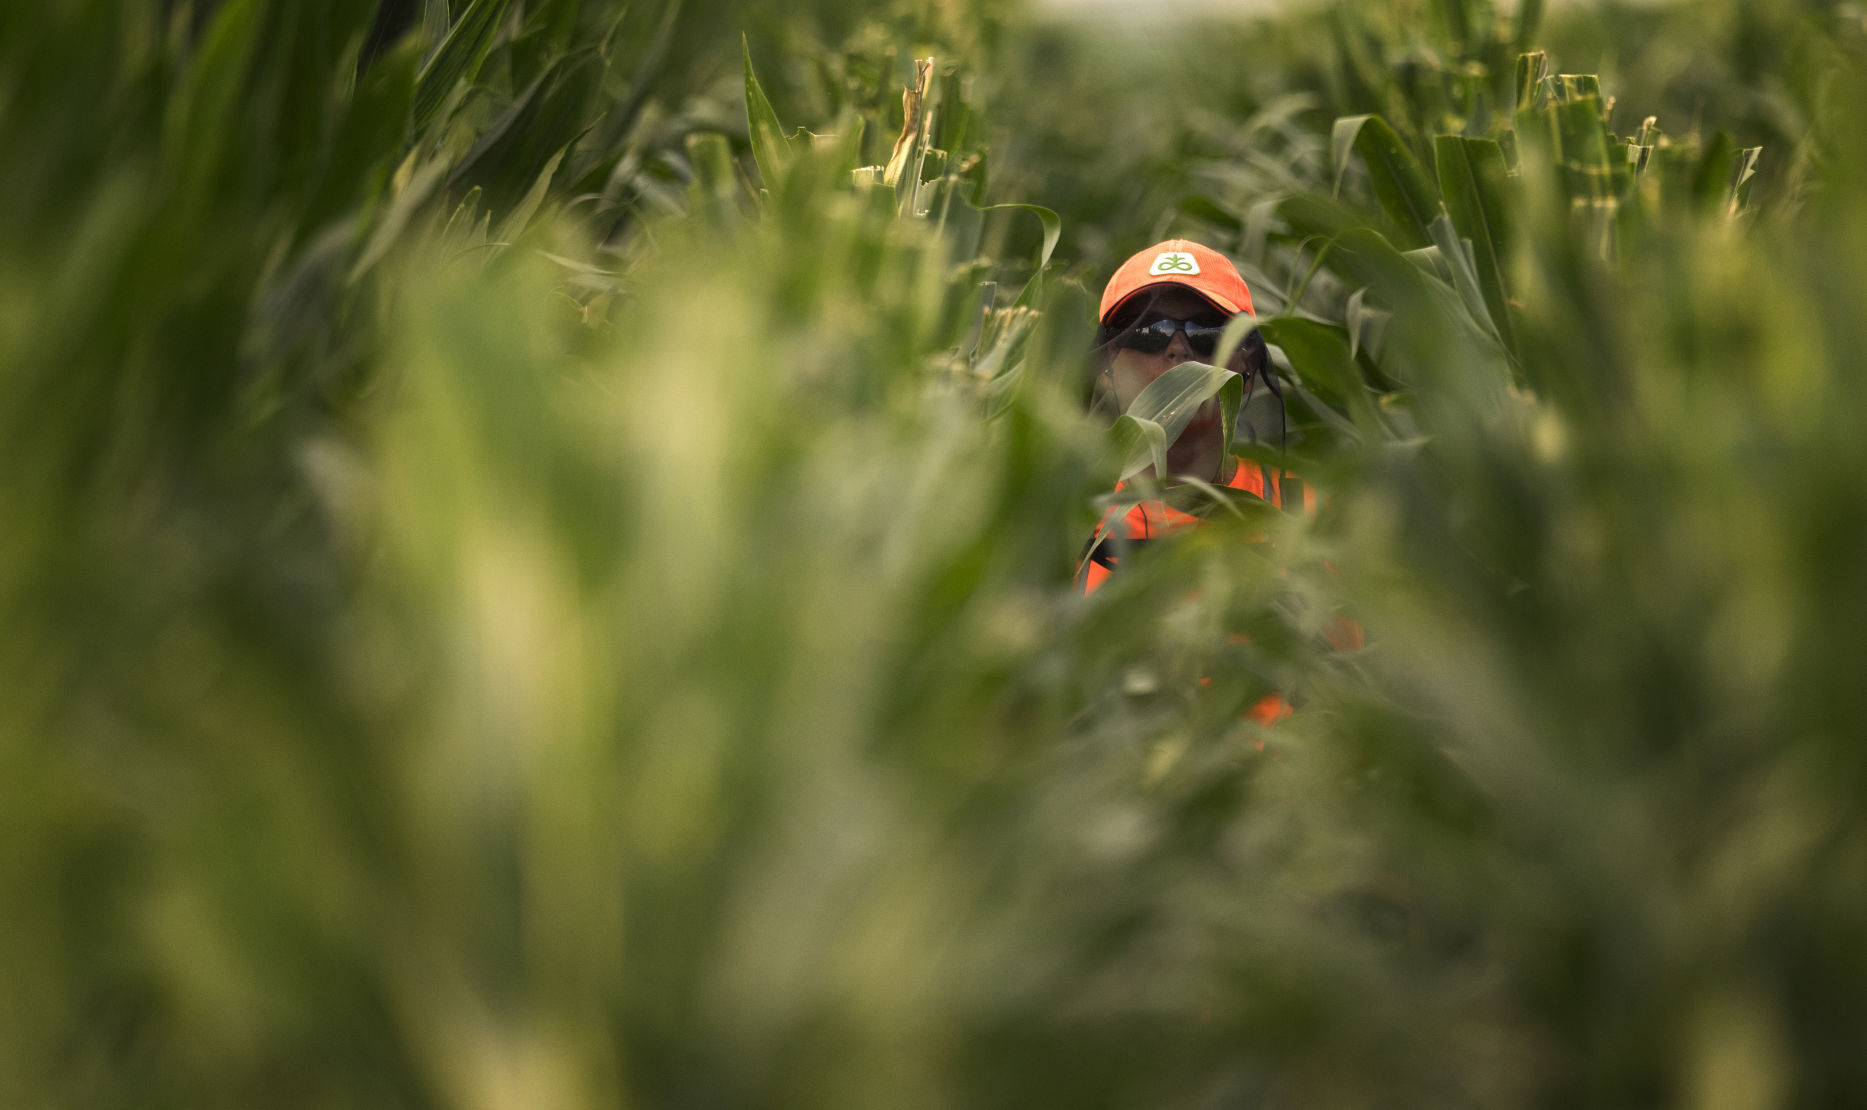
(372, 132)
(1529, 18)
(1163, 410)
(396, 217)
(770, 148)
(1321, 356)
(200, 117)
(542, 121)
(458, 58)
(1741, 174)
(522, 213)
(1473, 181)
(1053, 229)
(1532, 67)
(1463, 273)
(1401, 187)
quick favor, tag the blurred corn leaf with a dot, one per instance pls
(768, 139)
(458, 58)
(497, 613)
(1401, 186)
(1473, 180)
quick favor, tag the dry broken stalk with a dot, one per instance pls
(912, 101)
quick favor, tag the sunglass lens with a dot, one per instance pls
(1150, 338)
(1154, 336)
(1203, 339)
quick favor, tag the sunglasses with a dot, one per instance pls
(1153, 337)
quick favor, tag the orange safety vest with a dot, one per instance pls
(1150, 520)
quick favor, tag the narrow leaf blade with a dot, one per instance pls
(762, 126)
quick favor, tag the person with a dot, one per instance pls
(1166, 305)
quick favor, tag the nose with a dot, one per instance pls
(1178, 349)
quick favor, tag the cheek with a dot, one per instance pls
(1132, 371)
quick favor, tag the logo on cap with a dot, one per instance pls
(1173, 262)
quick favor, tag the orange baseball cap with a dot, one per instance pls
(1179, 262)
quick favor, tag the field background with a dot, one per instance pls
(536, 550)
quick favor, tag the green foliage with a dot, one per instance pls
(1395, 175)
(458, 58)
(767, 134)
(525, 583)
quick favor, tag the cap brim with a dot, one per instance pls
(1215, 302)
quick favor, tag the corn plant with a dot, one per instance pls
(536, 551)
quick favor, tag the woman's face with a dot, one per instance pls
(1130, 371)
